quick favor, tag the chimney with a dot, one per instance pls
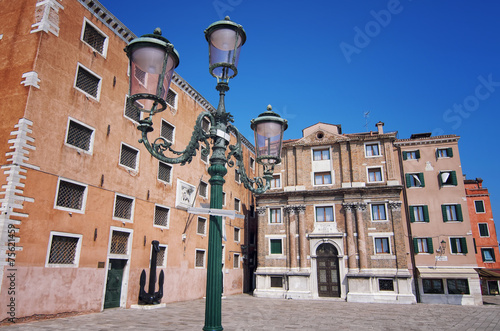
(380, 127)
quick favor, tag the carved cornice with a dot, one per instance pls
(360, 206)
(349, 206)
(261, 211)
(395, 205)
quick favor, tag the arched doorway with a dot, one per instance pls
(327, 264)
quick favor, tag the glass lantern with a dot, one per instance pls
(268, 128)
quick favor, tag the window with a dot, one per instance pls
(452, 213)
(161, 216)
(419, 214)
(372, 149)
(479, 206)
(382, 246)
(252, 163)
(223, 198)
(124, 208)
(448, 178)
(88, 82)
(164, 172)
(80, 136)
(375, 175)
(119, 243)
(276, 181)
(64, 249)
(131, 112)
(321, 154)
(276, 281)
(161, 257)
(322, 178)
(457, 286)
(386, 285)
(411, 155)
(378, 212)
(415, 180)
(324, 214)
(237, 234)
(237, 204)
(237, 176)
(205, 125)
(94, 37)
(71, 196)
(167, 131)
(444, 152)
(204, 154)
(275, 215)
(484, 230)
(129, 157)
(203, 190)
(200, 259)
(202, 226)
(236, 261)
(458, 245)
(488, 254)
(171, 98)
(433, 286)
(423, 245)
(276, 246)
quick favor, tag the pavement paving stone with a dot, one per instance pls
(244, 312)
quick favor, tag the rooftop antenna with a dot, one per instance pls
(366, 115)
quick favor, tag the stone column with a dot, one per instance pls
(351, 249)
(301, 209)
(292, 235)
(261, 236)
(363, 254)
(397, 228)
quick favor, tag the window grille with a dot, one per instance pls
(164, 172)
(94, 38)
(63, 250)
(70, 195)
(276, 281)
(171, 98)
(87, 82)
(205, 125)
(236, 204)
(236, 261)
(140, 75)
(204, 158)
(131, 112)
(161, 216)
(202, 225)
(200, 259)
(236, 176)
(386, 284)
(123, 207)
(119, 242)
(167, 131)
(128, 157)
(79, 136)
(160, 256)
(203, 189)
(236, 234)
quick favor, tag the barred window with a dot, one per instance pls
(167, 131)
(63, 250)
(87, 82)
(70, 195)
(202, 226)
(123, 207)
(128, 157)
(203, 190)
(79, 136)
(237, 176)
(172, 98)
(161, 257)
(237, 204)
(164, 172)
(205, 125)
(236, 261)
(204, 158)
(140, 75)
(131, 112)
(236, 234)
(119, 243)
(200, 259)
(94, 38)
(161, 216)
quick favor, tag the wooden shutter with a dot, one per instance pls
(454, 177)
(463, 243)
(443, 210)
(415, 245)
(453, 244)
(449, 152)
(417, 154)
(430, 247)
(460, 216)
(405, 155)
(408, 180)
(421, 177)
(426, 214)
(412, 214)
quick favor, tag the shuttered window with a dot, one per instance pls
(415, 180)
(452, 213)
(419, 214)
(276, 246)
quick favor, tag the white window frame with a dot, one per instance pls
(381, 174)
(412, 151)
(239, 205)
(171, 173)
(269, 215)
(237, 240)
(442, 157)
(479, 229)
(175, 98)
(277, 187)
(332, 177)
(99, 85)
(236, 256)
(493, 254)
(237, 176)
(276, 237)
(373, 143)
(164, 265)
(76, 263)
(204, 258)
(206, 192)
(223, 199)
(461, 248)
(84, 202)
(173, 131)
(385, 211)
(154, 217)
(379, 235)
(141, 116)
(204, 228)
(106, 41)
(484, 207)
(131, 220)
(137, 159)
(129, 243)
(321, 149)
(92, 137)
(252, 163)
(423, 239)
(323, 206)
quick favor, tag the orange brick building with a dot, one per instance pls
(81, 199)
(484, 234)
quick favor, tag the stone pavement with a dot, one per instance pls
(244, 312)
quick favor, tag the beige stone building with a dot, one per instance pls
(442, 246)
(332, 226)
(81, 199)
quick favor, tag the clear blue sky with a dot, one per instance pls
(416, 65)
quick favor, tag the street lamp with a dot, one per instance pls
(152, 62)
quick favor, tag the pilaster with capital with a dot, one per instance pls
(351, 249)
(261, 235)
(292, 235)
(301, 210)
(363, 254)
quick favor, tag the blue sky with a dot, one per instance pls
(416, 65)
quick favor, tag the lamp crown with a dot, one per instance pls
(157, 31)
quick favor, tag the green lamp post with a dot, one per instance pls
(152, 63)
